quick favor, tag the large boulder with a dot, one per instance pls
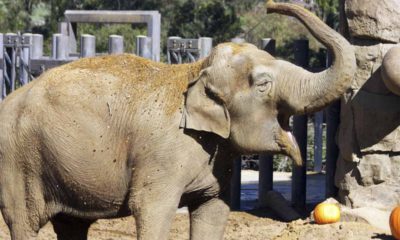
(372, 19)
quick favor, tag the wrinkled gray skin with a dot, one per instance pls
(86, 141)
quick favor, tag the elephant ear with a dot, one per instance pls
(204, 110)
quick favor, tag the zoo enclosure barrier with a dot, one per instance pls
(23, 59)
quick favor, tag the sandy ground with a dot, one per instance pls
(244, 225)
(241, 225)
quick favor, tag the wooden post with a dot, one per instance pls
(115, 44)
(88, 45)
(299, 174)
(265, 177)
(143, 46)
(318, 121)
(37, 46)
(60, 50)
(236, 184)
(206, 45)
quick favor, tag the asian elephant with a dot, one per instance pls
(113, 136)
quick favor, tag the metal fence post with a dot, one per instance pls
(268, 45)
(318, 121)
(37, 46)
(2, 84)
(115, 44)
(206, 45)
(10, 61)
(25, 58)
(88, 45)
(299, 174)
(238, 40)
(265, 179)
(235, 184)
(143, 46)
(60, 49)
(332, 150)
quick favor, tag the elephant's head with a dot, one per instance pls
(247, 96)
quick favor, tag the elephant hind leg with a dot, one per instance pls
(70, 228)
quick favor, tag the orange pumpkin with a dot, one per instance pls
(394, 222)
(325, 213)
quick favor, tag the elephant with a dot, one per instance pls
(119, 135)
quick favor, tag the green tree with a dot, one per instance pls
(214, 19)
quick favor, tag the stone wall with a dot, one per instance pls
(368, 168)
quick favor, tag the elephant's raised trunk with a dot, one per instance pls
(302, 91)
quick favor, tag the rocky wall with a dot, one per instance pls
(368, 168)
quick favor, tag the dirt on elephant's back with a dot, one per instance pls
(241, 226)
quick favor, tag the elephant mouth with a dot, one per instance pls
(287, 142)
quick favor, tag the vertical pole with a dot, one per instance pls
(265, 180)
(60, 50)
(143, 46)
(237, 169)
(299, 174)
(37, 46)
(2, 84)
(115, 44)
(318, 120)
(88, 45)
(206, 45)
(332, 151)
(13, 41)
(67, 29)
(268, 45)
(238, 40)
(174, 58)
(236, 184)
(154, 33)
(25, 58)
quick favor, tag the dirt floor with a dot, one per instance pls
(241, 226)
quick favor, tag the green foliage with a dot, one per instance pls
(205, 18)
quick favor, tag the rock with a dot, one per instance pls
(390, 70)
(371, 19)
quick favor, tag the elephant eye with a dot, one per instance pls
(264, 86)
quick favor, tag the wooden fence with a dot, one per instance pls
(22, 59)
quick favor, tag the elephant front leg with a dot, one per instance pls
(154, 212)
(208, 219)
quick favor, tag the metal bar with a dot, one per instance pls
(265, 181)
(115, 44)
(265, 178)
(206, 45)
(105, 16)
(37, 46)
(268, 45)
(143, 46)
(299, 174)
(88, 45)
(236, 184)
(60, 49)
(238, 40)
(24, 58)
(318, 120)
